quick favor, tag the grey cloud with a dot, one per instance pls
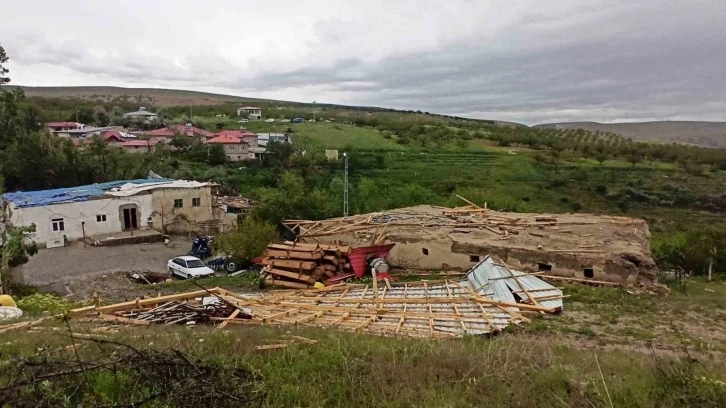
(608, 60)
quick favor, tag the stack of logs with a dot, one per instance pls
(300, 266)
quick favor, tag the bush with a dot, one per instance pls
(249, 240)
(601, 189)
(44, 303)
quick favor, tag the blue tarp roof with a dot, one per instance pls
(69, 194)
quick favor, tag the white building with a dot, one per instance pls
(75, 213)
(250, 112)
(142, 115)
(264, 138)
(81, 133)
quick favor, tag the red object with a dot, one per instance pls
(227, 139)
(174, 130)
(359, 255)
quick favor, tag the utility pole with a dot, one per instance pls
(314, 111)
(345, 188)
(4, 224)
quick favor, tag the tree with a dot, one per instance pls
(278, 154)
(248, 241)
(215, 154)
(601, 157)
(709, 243)
(3, 71)
(634, 157)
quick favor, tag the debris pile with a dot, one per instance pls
(300, 266)
(432, 238)
(490, 299)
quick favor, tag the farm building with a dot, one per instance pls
(582, 246)
(134, 207)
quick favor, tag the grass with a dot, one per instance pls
(550, 362)
(345, 369)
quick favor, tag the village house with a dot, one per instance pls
(103, 211)
(235, 148)
(61, 126)
(250, 112)
(81, 133)
(142, 115)
(139, 146)
(264, 138)
(168, 133)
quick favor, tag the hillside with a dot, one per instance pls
(166, 98)
(152, 96)
(707, 134)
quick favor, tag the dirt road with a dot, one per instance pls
(54, 269)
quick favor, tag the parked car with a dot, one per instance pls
(298, 120)
(285, 121)
(243, 121)
(188, 267)
(269, 120)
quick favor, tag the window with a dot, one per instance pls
(180, 262)
(196, 202)
(178, 203)
(195, 263)
(425, 251)
(544, 267)
(473, 258)
(233, 148)
(101, 218)
(589, 272)
(58, 224)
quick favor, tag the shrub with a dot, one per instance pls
(249, 240)
(44, 303)
(601, 189)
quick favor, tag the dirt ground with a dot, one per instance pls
(60, 270)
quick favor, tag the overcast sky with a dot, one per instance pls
(524, 61)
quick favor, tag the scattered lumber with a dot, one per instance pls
(299, 265)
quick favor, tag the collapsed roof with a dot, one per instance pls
(607, 248)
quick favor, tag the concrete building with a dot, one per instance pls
(250, 112)
(82, 133)
(142, 115)
(60, 126)
(168, 133)
(264, 138)
(235, 148)
(138, 146)
(94, 212)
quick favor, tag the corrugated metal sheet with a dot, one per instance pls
(67, 195)
(493, 280)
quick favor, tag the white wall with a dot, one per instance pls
(73, 214)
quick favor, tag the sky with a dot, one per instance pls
(526, 61)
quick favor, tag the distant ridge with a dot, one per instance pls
(158, 96)
(706, 134)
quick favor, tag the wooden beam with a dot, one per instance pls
(150, 301)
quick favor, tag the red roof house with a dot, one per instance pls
(235, 147)
(139, 146)
(174, 130)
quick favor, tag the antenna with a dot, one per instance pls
(345, 188)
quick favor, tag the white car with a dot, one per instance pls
(188, 267)
(243, 121)
(269, 120)
(285, 121)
